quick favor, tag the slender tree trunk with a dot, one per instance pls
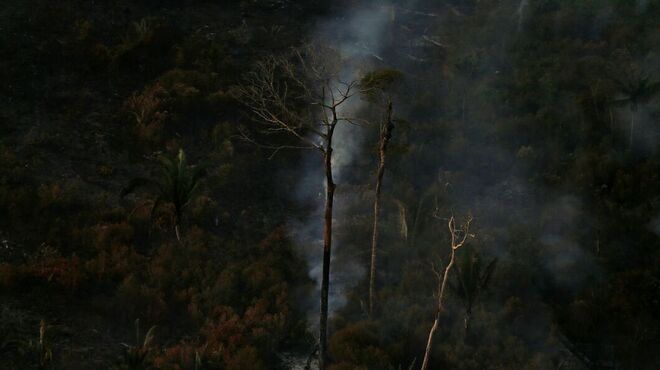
(440, 309)
(429, 341)
(327, 252)
(385, 136)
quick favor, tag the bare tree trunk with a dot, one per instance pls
(458, 238)
(267, 95)
(327, 252)
(440, 309)
(385, 136)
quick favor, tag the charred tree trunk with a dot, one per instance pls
(385, 136)
(266, 92)
(327, 250)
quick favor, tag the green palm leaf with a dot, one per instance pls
(177, 184)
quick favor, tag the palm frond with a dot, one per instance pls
(177, 184)
(149, 337)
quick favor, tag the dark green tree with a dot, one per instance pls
(177, 185)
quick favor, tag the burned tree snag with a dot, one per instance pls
(327, 250)
(385, 135)
(300, 95)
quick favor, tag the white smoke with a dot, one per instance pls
(564, 258)
(357, 36)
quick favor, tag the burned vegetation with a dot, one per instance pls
(329, 185)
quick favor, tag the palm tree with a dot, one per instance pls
(635, 90)
(176, 186)
(472, 279)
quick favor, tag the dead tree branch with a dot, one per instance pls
(458, 237)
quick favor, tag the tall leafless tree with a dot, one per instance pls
(458, 236)
(377, 86)
(386, 127)
(303, 95)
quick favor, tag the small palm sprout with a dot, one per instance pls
(636, 89)
(177, 186)
(137, 357)
(472, 278)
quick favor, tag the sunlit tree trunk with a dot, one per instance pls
(458, 238)
(440, 309)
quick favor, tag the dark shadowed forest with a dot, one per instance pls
(330, 184)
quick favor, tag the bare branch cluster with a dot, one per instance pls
(302, 95)
(299, 93)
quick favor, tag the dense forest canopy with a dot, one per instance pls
(459, 184)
